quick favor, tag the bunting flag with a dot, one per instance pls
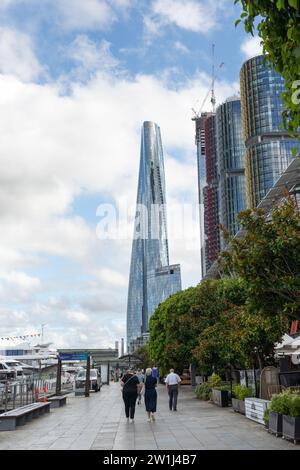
(21, 337)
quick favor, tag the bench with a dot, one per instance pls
(57, 401)
(22, 415)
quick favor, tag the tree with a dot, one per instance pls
(279, 30)
(177, 323)
(267, 258)
(143, 354)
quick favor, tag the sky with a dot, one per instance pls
(77, 80)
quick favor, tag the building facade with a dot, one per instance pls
(211, 194)
(230, 152)
(151, 279)
(201, 167)
(268, 146)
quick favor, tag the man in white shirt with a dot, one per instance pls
(172, 382)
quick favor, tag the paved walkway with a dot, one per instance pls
(98, 422)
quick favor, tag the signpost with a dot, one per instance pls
(71, 357)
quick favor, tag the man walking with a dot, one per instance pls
(172, 382)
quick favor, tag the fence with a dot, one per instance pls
(16, 393)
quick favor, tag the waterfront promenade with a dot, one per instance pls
(98, 422)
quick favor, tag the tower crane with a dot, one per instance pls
(211, 89)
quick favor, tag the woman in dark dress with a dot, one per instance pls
(150, 394)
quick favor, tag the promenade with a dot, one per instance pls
(98, 422)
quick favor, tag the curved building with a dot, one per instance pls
(268, 146)
(231, 151)
(151, 279)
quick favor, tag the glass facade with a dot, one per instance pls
(268, 146)
(231, 154)
(151, 278)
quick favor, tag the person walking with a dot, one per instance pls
(140, 376)
(130, 389)
(172, 382)
(150, 394)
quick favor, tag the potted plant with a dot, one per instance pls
(291, 420)
(240, 392)
(278, 407)
(220, 395)
(203, 391)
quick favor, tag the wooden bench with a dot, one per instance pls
(57, 401)
(22, 415)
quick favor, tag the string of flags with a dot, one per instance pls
(21, 337)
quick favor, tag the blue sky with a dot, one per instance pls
(77, 79)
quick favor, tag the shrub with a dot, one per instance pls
(267, 416)
(280, 403)
(214, 380)
(203, 391)
(241, 391)
(294, 408)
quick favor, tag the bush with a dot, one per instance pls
(241, 391)
(280, 403)
(203, 391)
(214, 380)
(267, 416)
(294, 403)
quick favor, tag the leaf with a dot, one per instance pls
(280, 4)
(237, 22)
(293, 4)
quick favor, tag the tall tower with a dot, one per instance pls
(268, 146)
(151, 279)
(231, 152)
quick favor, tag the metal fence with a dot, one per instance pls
(26, 390)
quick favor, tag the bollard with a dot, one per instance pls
(36, 393)
(45, 390)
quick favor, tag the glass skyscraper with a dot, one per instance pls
(151, 279)
(268, 146)
(231, 152)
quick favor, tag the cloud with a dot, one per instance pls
(68, 146)
(87, 14)
(91, 56)
(17, 56)
(190, 15)
(181, 47)
(251, 47)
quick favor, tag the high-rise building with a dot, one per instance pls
(210, 194)
(268, 146)
(151, 279)
(231, 152)
(201, 166)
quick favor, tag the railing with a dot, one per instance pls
(19, 392)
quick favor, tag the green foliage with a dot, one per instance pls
(266, 417)
(241, 391)
(214, 381)
(295, 406)
(286, 403)
(143, 353)
(278, 28)
(203, 391)
(280, 403)
(267, 259)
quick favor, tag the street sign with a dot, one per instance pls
(74, 356)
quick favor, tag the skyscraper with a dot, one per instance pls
(231, 151)
(268, 146)
(211, 194)
(201, 165)
(151, 279)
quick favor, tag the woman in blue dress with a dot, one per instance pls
(150, 394)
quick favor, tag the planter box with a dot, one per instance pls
(255, 409)
(220, 397)
(291, 428)
(238, 405)
(275, 423)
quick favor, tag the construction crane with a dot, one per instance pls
(211, 89)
